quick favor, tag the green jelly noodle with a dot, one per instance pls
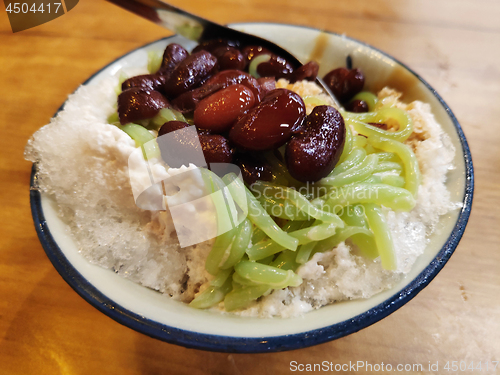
(275, 227)
(143, 139)
(284, 228)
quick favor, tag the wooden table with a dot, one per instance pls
(46, 328)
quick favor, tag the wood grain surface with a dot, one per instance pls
(46, 328)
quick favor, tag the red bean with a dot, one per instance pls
(190, 73)
(357, 106)
(139, 103)
(229, 58)
(180, 147)
(267, 84)
(232, 77)
(355, 81)
(216, 148)
(271, 123)
(148, 81)
(174, 54)
(213, 44)
(171, 126)
(307, 71)
(219, 111)
(276, 67)
(188, 101)
(254, 168)
(335, 81)
(249, 52)
(345, 83)
(313, 153)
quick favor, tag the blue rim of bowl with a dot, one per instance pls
(232, 344)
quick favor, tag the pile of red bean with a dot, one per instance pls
(239, 117)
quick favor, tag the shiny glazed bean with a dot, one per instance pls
(139, 103)
(229, 58)
(216, 148)
(357, 106)
(249, 52)
(266, 84)
(174, 54)
(218, 112)
(312, 154)
(213, 44)
(335, 81)
(345, 83)
(186, 144)
(271, 123)
(232, 77)
(254, 168)
(276, 67)
(188, 101)
(307, 71)
(190, 73)
(171, 126)
(148, 81)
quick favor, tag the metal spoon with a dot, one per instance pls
(199, 29)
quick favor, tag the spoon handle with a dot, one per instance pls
(194, 27)
(200, 29)
(172, 18)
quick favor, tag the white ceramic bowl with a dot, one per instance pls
(158, 316)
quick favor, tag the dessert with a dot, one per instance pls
(352, 219)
